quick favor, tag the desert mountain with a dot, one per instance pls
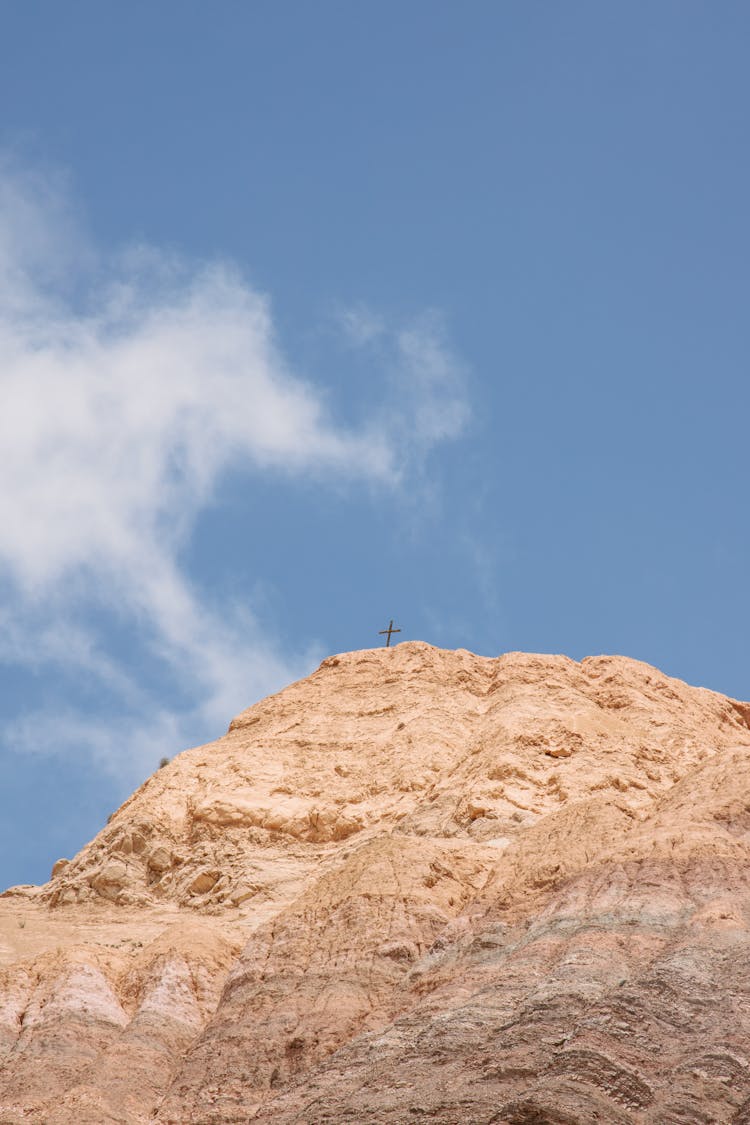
(419, 885)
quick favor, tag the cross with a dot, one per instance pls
(388, 632)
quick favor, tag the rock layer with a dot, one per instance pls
(418, 885)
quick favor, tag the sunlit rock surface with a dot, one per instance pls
(418, 885)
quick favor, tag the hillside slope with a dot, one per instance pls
(418, 884)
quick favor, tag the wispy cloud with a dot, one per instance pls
(358, 324)
(426, 401)
(131, 385)
(433, 384)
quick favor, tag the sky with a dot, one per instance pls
(318, 315)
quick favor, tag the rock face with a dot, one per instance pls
(418, 885)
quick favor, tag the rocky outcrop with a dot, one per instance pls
(419, 885)
(618, 993)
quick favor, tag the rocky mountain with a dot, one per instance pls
(417, 886)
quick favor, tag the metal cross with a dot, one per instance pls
(388, 632)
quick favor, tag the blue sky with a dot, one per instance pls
(314, 315)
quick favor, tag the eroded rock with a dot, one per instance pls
(417, 884)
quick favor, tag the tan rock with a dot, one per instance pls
(159, 860)
(109, 879)
(203, 882)
(417, 885)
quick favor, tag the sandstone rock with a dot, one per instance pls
(109, 879)
(202, 882)
(418, 885)
(242, 894)
(159, 860)
(559, 751)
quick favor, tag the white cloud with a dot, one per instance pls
(129, 388)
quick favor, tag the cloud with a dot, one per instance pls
(426, 402)
(132, 384)
(359, 325)
(113, 744)
(434, 384)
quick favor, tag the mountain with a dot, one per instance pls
(418, 885)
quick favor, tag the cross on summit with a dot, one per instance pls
(387, 632)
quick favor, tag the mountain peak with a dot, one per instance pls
(356, 848)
